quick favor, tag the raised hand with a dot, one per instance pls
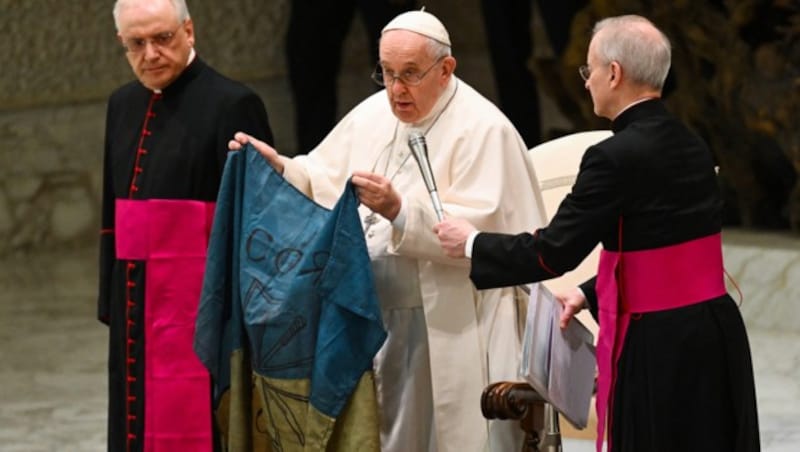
(377, 193)
(240, 139)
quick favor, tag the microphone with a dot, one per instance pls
(416, 141)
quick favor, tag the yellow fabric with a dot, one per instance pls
(296, 426)
(241, 430)
(357, 427)
(265, 414)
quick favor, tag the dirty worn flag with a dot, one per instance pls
(288, 322)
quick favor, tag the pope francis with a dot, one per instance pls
(446, 340)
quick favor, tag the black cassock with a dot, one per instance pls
(169, 145)
(684, 377)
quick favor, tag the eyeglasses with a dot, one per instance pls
(585, 72)
(138, 45)
(409, 77)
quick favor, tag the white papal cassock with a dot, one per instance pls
(446, 341)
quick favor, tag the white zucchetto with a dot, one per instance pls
(420, 22)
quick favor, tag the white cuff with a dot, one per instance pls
(399, 221)
(468, 244)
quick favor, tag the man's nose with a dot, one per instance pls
(397, 86)
(151, 50)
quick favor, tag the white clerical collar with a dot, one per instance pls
(192, 54)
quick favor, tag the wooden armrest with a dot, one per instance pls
(519, 401)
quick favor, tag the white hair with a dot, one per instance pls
(438, 49)
(181, 10)
(629, 40)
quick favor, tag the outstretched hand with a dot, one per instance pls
(453, 234)
(240, 139)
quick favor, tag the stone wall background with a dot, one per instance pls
(737, 66)
(58, 52)
(735, 81)
(60, 61)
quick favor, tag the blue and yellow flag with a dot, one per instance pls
(288, 308)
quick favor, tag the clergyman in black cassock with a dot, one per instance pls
(677, 372)
(165, 148)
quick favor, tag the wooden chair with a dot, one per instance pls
(556, 163)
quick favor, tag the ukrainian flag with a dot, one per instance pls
(288, 322)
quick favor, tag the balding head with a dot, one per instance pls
(643, 51)
(179, 6)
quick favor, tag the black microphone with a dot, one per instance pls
(416, 141)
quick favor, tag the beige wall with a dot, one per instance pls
(60, 61)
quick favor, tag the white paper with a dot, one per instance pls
(558, 364)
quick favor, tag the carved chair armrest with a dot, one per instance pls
(519, 401)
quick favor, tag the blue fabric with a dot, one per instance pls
(295, 277)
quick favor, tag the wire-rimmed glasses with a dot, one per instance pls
(585, 71)
(137, 44)
(408, 77)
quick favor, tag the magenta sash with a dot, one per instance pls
(172, 237)
(636, 282)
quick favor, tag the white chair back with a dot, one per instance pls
(556, 163)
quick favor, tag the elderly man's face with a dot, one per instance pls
(157, 44)
(406, 52)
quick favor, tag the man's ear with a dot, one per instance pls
(449, 64)
(616, 72)
(189, 27)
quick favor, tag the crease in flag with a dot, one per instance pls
(288, 321)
